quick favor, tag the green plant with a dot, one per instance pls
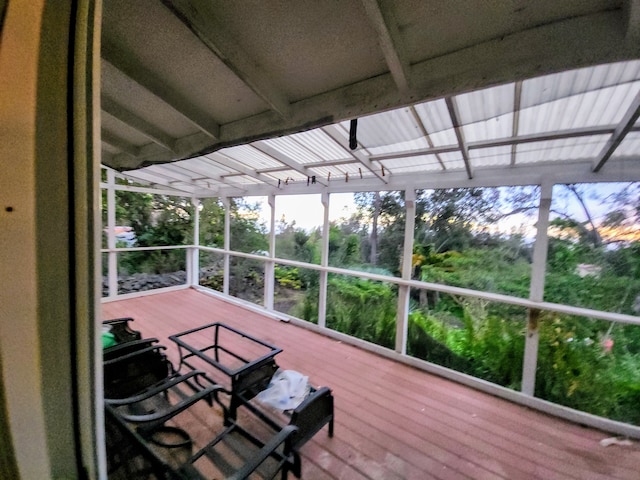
(362, 308)
(288, 277)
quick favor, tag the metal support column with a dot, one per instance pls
(536, 291)
(269, 265)
(226, 201)
(402, 316)
(112, 269)
(194, 260)
(324, 261)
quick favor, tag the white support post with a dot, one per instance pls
(226, 201)
(112, 269)
(536, 291)
(402, 316)
(269, 265)
(324, 261)
(194, 260)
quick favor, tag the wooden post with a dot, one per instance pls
(536, 291)
(226, 201)
(193, 277)
(269, 265)
(402, 316)
(324, 261)
(112, 269)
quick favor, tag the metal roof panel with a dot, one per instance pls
(251, 157)
(490, 157)
(321, 145)
(566, 149)
(422, 163)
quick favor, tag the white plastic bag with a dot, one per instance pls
(287, 389)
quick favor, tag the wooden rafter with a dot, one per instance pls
(232, 164)
(333, 132)
(199, 17)
(425, 134)
(154, 84)
(138, 124)
(383, 21)
(517, 101)
(119, 143)
(624, 127)
(457, 125)
(267, 149)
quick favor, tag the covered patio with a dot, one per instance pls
(213, 101)
(541, 128)
(394, 421)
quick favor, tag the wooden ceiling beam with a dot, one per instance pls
(544, 49)
(517, 101)
(425, 134)
(138, 124)
(232, 164)
(267, 149)
(457, 125)
(365, 160)
(119, 143)
(154, 84)
(199, 17)
(625, 126)
(383, 21)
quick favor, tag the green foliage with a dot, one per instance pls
(497, 270)
(362, 308)
(445, 217)
(486, 346)
(480, 338)
(288, 277)
(246, 279)
(247, 233)
(574, 370)
(487, 341)
(157, 220)
(212, 223)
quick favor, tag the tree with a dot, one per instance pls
(448, 216)
(211, 222)
(247, 233)
(387, 218)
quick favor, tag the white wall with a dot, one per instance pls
(46, 238)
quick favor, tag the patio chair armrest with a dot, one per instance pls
(112, 321)
(159, 388)
(123, 348)
(133, 355)
(121, 329)
(312, 414)
(152, 420)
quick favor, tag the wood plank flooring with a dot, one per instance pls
(394, 421)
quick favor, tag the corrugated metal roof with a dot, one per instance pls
(435, 117)
(490, 157)
(405, 146)
(420, 163)
(486, 104)
(567, 117)
(630, 146)
(323, 146)
(294, 150)
(251, 157)
(567, 149)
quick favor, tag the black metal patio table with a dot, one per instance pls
(245, 360)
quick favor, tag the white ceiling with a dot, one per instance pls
(469, 95)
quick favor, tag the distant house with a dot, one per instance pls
(586, 269)
(124, 234)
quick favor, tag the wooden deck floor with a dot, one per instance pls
(394, 421)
